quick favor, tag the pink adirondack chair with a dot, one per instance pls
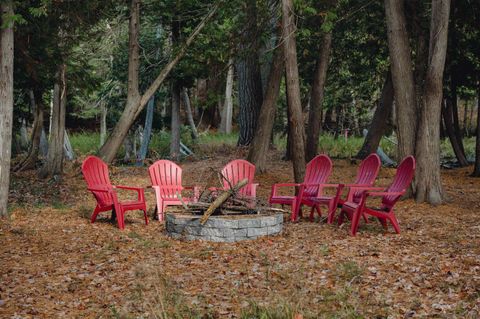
(166, 178)
(95, 172)
(398, 187)
(237, 170)
(366, 175)
(317, 172)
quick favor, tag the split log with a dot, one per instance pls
(222, 198)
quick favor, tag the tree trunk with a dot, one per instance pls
(38, 114)
(456, 124)
(147, 132)
(175, 124)
(296, 128)
(227, 112)
(476, 169)
(258, 149)
(402, 77)
(103, 123)
(249, 80)
(54, 164)
(135, 103)
(465, 119)
(428, 180)
(448, 115)
(6, 101)
(188, 109)
(316, 99)
(380, 119)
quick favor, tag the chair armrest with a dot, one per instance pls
(140, 191)
(275, 186)
(103, 189)
(128, 187)
(385, 193)
(323, 185)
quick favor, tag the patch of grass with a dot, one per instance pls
(59, 205)
(85, 142)
(280, 311)
(324, 250)
(349, 271)
(85, 212)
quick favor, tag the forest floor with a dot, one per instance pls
(55, 264)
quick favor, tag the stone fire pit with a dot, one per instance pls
(222, 228)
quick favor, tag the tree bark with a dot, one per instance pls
(380, 119)
(402, 77)
(249, 79)
(38, 113)
(188, 109)
(428, 180)
(6, 102)
(54, 164)
(476, 169)
(103, 123)
(135, 104)
(147, 132)
(175, 124)
(316, 99)
(448, 114)
(296, 128)
(227, 112)
(258, 149)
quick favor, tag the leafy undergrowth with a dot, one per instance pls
(55, 264)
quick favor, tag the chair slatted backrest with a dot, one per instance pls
(401, 181)
(367, 173)
(237, 170)
(166, 173)
(95, 172)
(318, 171)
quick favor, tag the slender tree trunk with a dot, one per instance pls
(476, 169)
(465, 119)
(259, 148)
(103, 123)
(136, 103)
(38, 113)
(448, 115)
(188, 109)
(402, 77)
(227, 112)
(316, 99)
(54, 165)
(249, 80)
(296, 128)
(6, 102)
(175, 125)
(428, 182)
(147, 132)
(379, 121)
(456, 123)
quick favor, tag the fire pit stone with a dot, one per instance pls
(223, 228)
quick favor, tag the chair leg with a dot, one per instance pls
(312, 213)
(120, 218)
(332, 207)
(394, 222)
(355, 221)
(383, 221)
(95, 213)
(145, 215)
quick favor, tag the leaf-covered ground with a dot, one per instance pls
(55, 264)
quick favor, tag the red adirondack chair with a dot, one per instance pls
(237, 170)
(317, 172)
(95, 172)
(390, 196)
(366, 175)
(166, 178)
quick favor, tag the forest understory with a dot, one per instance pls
(55, 264)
